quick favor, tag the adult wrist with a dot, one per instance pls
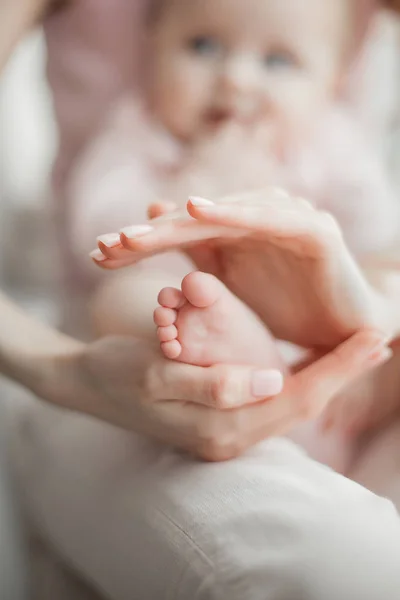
(34, 354)
(49, 373)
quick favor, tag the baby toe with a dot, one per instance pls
(170, 297)
(167, 334)
(201, 289)
(164, 316)
(171, 350)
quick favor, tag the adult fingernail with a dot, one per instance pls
(136, 231)
(110, 239)
(197, 201)
(97, 255)
(266, 383)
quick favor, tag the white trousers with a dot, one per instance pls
(144, 523)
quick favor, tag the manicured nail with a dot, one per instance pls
(136, 231)
(110, 239)
(97, 255)
(196, 201)
(266, 383)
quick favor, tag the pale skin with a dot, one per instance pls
(202, 323)
(295, 236)
(125, 383)
(141, 391)
(238, 90)
(270, 234)
(214, 60)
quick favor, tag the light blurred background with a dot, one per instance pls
(28, 144)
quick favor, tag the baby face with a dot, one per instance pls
(215, 60)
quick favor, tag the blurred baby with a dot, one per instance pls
(237, 95)
(228, 81)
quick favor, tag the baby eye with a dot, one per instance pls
(204, 45)
(279, 60)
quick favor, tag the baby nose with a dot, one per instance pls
(240, 86)
(239, 74)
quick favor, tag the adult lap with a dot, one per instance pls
(122, 509)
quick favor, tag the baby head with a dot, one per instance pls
(214, 60)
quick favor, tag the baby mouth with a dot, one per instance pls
(243, 110)
(219, 116)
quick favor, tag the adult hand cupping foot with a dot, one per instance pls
(231, 408)
(284, 259)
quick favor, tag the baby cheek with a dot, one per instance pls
(296, 102)
(189, 96)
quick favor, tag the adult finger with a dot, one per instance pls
(311, 389)
(280, 217)
(172, 234)
(174, 228)
(107, 264)
(220, 386)
(307, 393)
(160, 209)
(110, 246)
(311, 232)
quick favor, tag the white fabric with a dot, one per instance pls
(143, 523)
(13, 574)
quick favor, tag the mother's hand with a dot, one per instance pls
(283, 258)
(231, 408)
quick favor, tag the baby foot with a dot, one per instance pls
(204, 324)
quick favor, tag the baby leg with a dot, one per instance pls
(125, 302)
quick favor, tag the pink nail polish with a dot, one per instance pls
(136, 231)
(97, 255)
(110, 239)
(196, 201)
(266, 383)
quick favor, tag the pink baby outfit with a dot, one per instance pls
(337, 168)
(104, 179)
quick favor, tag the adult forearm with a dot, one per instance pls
(31, 352)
